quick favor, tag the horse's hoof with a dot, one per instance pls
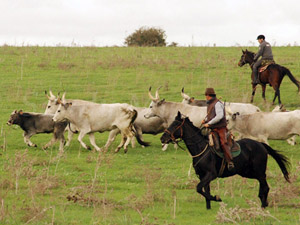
(117, 150)
(218, 199)
(125, 150)
(88, 148)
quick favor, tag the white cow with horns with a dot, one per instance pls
(91, 118)
(262, 126)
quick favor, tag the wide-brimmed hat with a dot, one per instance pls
(209, 91)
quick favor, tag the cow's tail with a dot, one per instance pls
(133, 114)
(281, 160)
(286, 71)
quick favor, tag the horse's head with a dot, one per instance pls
(247, 57)
(174, 131)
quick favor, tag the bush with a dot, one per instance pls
(147, 37)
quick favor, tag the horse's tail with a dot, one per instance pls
(286, 71)
(281, 160)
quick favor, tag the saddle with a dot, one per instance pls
(265, 64)
(214, 141)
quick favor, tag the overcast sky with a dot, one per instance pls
(187, 22)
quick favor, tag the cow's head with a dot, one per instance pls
(154, 108)
(186, 99)
(14, 117)
(231, 120)
(61, 112)
(52, 103)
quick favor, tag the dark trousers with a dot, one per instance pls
(223, 141)
(255, 69)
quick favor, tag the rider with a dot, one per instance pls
(216, 120)
(265, 51)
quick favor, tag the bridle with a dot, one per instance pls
(174, 140)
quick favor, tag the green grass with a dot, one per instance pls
(144, 186)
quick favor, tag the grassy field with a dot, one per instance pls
(144, 186)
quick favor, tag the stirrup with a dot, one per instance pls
(230, 166)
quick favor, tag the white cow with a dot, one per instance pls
(53, 105)
(242, 108)
(152, 126)
(262, 126)
(93, 118)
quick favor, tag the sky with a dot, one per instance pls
(186, 22)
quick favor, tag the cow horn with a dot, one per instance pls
(150, 96)
(185, 96)
(156, 93)
(63, 98)
(47, 95)
(51, 94)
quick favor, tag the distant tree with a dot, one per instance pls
(173, 44)
(144, 36)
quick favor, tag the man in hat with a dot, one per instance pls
(216, 120)
(265, 51)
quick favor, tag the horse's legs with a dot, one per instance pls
(253, 92)
(215, 198)
(204, 183)
(263, 191)
(264, 92)
(277, 94)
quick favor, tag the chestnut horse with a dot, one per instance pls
(273, 75)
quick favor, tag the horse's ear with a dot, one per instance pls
(243, 51)
(178, 115)
(246, 50)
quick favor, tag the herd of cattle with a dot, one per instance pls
(86, 117)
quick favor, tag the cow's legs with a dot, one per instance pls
(80, 136)
(71, 129)
(27, 139)
(93, 142)
(292, 140)
(51, 142)
(124, 138)
(111, 138)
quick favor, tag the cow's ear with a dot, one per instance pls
(192, 99)
(233, 116)
(243, 51)
(21, 112)
(161, 102)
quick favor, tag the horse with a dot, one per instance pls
(250, 163)
(273, 75)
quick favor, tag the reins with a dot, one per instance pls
(180, 139)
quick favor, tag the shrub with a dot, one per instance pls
(147, 37)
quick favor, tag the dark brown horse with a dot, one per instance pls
(273, 75)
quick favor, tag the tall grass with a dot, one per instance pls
(144, 186)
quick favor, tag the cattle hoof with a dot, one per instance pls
(125, 150)
(88, 148)
(117, 150)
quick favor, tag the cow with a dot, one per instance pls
(53, 104)
(191, 100)
(36, 123)
(168, 110)
(262, 126)
(281, 108)
(91, 118)
(140, 125)
(242, 108)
